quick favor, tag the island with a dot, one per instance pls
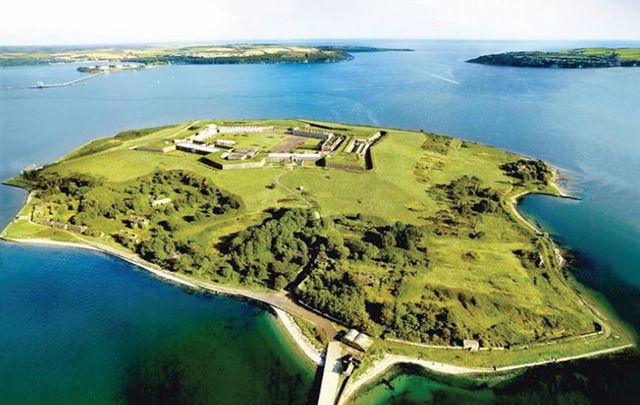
(570, 59)
(375, 246)
(200, 54)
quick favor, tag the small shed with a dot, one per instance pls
(363, 342)
(350, 336)
(471, 345)
(357, 340)
(161, 201)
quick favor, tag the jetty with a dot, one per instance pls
(330, 375)
(41, 85)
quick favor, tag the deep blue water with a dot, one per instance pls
(587, 122)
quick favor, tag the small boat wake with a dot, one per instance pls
(446, 79)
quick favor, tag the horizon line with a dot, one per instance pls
(315, 39)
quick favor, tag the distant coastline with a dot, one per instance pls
(187, 55)
(568, 59)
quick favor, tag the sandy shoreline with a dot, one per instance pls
(391, 360)
(301, 340)
(285, 319)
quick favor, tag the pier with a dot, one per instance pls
(331, 375)
(41, 85)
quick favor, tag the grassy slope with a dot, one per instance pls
(393, 191)
(623, 53)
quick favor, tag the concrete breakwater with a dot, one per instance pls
(41, 85)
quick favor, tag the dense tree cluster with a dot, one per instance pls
(341, 292)
(126, 211)
(468, 197)
(73, 185)
(427, 322)
(467, 200)
(274, 252)
(436, 143)
(528, 170)
(338, 293)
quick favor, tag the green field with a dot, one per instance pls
(423, 247)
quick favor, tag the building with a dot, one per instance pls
(360, 146)
(310, 133)
(241, 154)
(161, 201)
(330, 144)
(240, 129)
(33, 167)
(239, 164)
(225, 143)
(471, 345)
(294, 157)
(357, 340)
(240, 158)
(201, 149)
(161, 149)
(205, 134)
(376, 136)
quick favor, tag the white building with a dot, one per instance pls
(240, 129)
(225, 143)
(205, 134)
(161, 201)
(202, 149)
(357, 340)
(294, 157)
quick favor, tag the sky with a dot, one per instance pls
(47, 22)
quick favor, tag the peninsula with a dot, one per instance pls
(570, 59)
(404, 245)
(200, 54)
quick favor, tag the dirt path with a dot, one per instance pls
(290, 191)
(185, 128)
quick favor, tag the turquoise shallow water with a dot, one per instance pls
(584, 121)
(81, 327)
(581, 382)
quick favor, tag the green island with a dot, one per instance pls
(570, 59)
(200, 54)
(405, 245)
